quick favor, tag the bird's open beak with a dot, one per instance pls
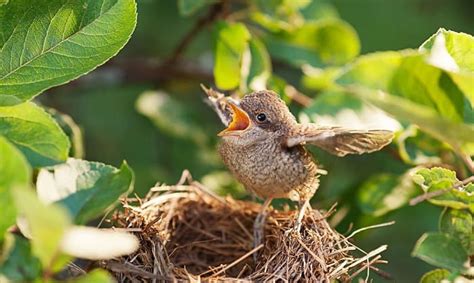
(240, 122)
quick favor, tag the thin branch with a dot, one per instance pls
(213, 13)
(297, 96)
(429, 195)
(468, 161)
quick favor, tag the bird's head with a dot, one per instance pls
(261, 115)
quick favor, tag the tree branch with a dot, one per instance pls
(214, 12)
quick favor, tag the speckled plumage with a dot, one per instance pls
(262, 162)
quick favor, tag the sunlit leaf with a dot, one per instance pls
(231, 42)
(291, 53)
(416, 147)
(340, 109)
(96, 244)
(385, 192)
(279, 15)
(407, 74)
(435, 276)
(189, 7)
(457, 134)
(318, 10)
(85, 188)
(436, 179)
(169, 115)
(96, 276)
(459, 224)
(46, 223)
(320, 79)
(58, 41)
(452, 51)
(72, 131)
(18, 263)
(14, 171)
(335, 41)
(457, 44)
(441, 250)
(35, 133)
(260, 67)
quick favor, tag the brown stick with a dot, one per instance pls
(212, 15)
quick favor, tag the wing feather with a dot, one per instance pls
(340, 141)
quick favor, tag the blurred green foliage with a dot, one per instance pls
(145, 106)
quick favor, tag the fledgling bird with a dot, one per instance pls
(264, 148)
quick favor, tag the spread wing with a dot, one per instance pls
(340, 141)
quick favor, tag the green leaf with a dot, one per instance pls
(35, 133)
(437, 178)
(3, 2)
(96, 276)
(72, 130)
(330, 41)
(441, 250)
(433, 176)
(189, 7)
(291, 53)
(385, 192)
(85, 188)
(435, 276)
(459, 224)
(407, 74)
(231, 43)
(417, 148)
(14, 171)
(46, 224)
(58, 41)
(335, 41)
(332, 108)
(279, 15)
(452, 52)
(260, 68)
(457, 134)
(18, 264)
(170, 116)
(457, 44)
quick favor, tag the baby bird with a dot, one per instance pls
(264, 148)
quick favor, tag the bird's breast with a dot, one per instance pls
(268, 169)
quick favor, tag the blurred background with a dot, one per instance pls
(146, 106)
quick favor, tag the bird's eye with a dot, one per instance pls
(261, 117)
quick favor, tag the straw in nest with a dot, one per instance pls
(189, 233)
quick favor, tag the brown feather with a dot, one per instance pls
(340, 141)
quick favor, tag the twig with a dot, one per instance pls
(370, 227)
(239, 259)
(365, 266)
(429, 195)
(213, 14)
(297, 96)
(468, 161)
(318, 259)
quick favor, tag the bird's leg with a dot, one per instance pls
(303, 205)
(259, 224)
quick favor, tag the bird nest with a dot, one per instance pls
(189, 233)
